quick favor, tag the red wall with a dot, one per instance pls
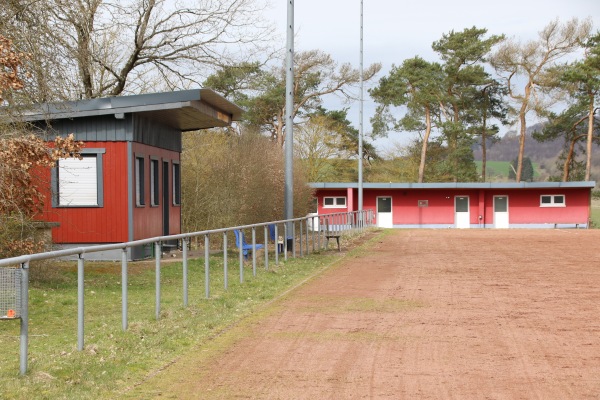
(147, 219)
(523, 205)
(110, 223)
(105, 224)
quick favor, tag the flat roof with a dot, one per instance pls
(454, 185)
(187, 110)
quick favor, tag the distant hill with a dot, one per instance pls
(507, 148)
(545, 154)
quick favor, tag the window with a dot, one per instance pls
(176, 184)
(552, 200)
(154, 193)
(334, 202)
(140, 199)
(78, 182)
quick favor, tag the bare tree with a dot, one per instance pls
(94, 48)
(316, 75)
(235, 180)
(526, 66)
(317, 144)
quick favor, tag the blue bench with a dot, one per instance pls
(241, 244)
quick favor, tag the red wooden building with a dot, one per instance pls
(464, 205)
(127, 186)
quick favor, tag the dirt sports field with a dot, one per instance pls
(421, 314)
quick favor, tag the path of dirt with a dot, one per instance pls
(426, 314)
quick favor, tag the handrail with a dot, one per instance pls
(125, 245)
(339, 221)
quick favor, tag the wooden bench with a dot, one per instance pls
(557, 225)
(331, 235)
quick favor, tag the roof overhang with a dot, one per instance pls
(455, 185)
(186, 110)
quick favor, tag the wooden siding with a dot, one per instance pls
(107, 224)
(107, 128)
(155, 134)
(102, 128)
(148, 219)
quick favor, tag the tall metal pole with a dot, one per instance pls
(360, 118)
(289, 123)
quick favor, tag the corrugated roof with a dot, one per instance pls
(186, 110)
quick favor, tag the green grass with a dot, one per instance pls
(112, 359)
(595, 217)
(500, 169)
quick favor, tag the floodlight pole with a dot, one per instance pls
(360, 120)
(289, 119)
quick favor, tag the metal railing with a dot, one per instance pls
(310, 236)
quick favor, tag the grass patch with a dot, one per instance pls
(500, 169)
(595, 217)
(114, 360)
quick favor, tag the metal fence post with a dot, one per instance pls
(80, 301)
(301, 238)
(294, 239)
(285, 241)
(225, 266)
(124, 289)
(320, 233)
(241, 261)
(184, 245)
(312, 224)
(207, 266)
(276, 246)
(265, 233)
(306, 237)
(24, 317)
(157, 254)
(253, 251)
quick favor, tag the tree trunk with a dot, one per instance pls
(590, 134)
(424, 146)
(483, 141)
(523, 130)
(279, 130)
(483, 152)
(569, 159)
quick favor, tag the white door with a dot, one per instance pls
(500, 211)
(384, 212)
(461, 212)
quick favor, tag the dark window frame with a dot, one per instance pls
(54, 178)
(338, 202)
(154, 181)
(140, 182)
(553, 200)
(176, 179)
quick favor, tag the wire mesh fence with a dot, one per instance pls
(10, 293)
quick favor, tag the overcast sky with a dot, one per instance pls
(396, 30)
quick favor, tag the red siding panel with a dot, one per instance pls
(147, 219)
(107, 224)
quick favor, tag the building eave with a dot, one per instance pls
(455, 185)
(186, 110)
